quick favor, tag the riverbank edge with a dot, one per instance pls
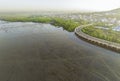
(67, 24)
(96, 41)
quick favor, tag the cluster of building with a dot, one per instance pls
(108, 18)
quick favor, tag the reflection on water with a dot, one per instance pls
(42, 52)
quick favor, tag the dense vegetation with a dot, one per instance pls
(108, 35)
(67, 24)
(70, 25)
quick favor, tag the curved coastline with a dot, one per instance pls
(100, 42)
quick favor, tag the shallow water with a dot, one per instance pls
(41, 52)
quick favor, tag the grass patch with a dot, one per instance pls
(67, 24)
(108, 35)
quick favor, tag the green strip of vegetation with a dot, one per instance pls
(70, 25)
(108, 35)
(67, 24)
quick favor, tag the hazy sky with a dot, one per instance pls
(10, 5)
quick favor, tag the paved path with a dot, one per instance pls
(97, 41)
(41, 52)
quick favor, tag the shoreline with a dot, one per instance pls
(96, 41)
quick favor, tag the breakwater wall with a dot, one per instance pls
(100, 42)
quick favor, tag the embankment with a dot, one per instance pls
(103, 43)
